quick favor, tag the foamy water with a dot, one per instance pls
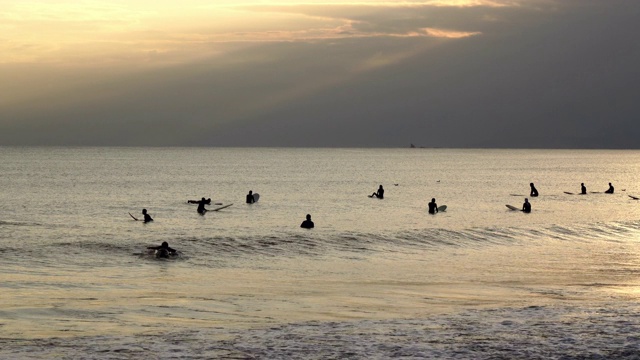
(374, 279)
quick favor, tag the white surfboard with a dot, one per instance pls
(442, 208)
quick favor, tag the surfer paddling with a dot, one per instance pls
(534, 191)
(526, 207)
(163, 250)
(307, 224)
(379, 194)
(583, 189)
(610, 190)
(433, 207)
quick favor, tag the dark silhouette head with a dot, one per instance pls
(526, 200)
(581, 184)
(609, 184)
(433, 199)
(144, 211)
(164, 245)
(250, 192)
(308, 217)
(203, 199)
(380, 186)
(530, 184)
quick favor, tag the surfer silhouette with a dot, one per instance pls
(534, 191)
(307, 224)
(207, 202)
(250, 198)
(433, 207)
(610, 190)
(379, 194)
(201, 203)
(147, 217)
(163, 250)
(583, 189)
(526, 207)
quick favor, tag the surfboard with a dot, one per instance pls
(634, 197)
(256, 197)
(513, 207)
(134, 218)
(442, 208)
(220, 208)
(516, 195)
(195, 203)
(569, 193)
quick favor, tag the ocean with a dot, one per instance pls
(375, 279)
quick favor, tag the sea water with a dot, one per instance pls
(375, 279)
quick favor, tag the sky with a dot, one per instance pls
(368, 73)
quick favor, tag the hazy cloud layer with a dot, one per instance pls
(536, 73)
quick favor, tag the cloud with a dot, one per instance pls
(98, 32)
(448, 34)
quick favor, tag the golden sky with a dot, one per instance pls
(98, 32)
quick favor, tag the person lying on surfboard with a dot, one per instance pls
(433, 207)
(610, 190)
(379, 194)
(534, 191)
(526, 207)
(163, 250)
(250, 198)
(147, 217)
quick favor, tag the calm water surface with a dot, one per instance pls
(374, 279)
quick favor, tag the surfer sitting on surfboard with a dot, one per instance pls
(379, 194)
(610, 190)
(163, 250)
(307, 224)
(250, 198)
(526, 207)
(147, 217)
(534, 191)
(583, 189)
(433, 207)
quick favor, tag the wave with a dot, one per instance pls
(350, 244)
(598, 331)
(319, 244)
